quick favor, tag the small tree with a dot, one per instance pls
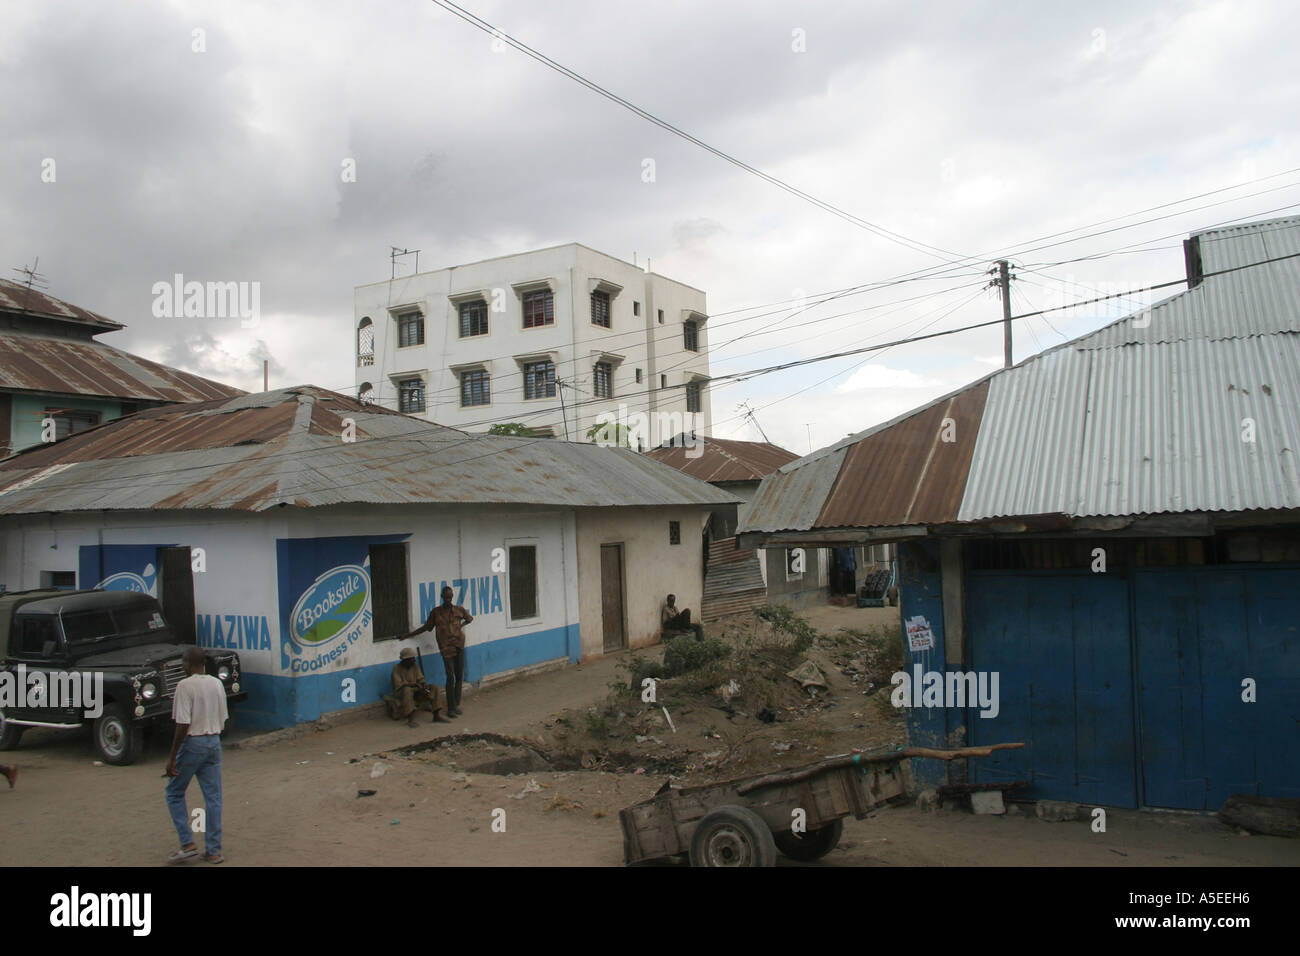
(515, 429)
(610, 433)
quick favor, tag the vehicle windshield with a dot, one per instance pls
(81, 627)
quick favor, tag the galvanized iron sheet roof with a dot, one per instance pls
(1149, 415)
(287, 447)
(38, 363)
(719, 459)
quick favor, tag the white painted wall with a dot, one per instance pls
(652, 568)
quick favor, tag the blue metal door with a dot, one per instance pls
(1060, 645)
(1202, 633)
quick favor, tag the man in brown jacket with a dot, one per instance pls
(410, 692)
(446, 621)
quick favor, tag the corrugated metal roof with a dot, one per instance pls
(1144, 416)
(720, 459)
(287, 447)
(16, 297)
(912, 473)
(38, 363)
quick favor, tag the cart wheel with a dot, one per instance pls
(732, 836)
(812, 845)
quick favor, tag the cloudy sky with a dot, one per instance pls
(144, 139)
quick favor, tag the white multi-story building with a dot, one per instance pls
(558, 339)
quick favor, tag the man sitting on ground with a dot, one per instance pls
(411, 692)
(676, 623)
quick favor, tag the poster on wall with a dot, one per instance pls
(919, 635)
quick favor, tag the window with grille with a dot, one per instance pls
(410, 329)
(366, 393)
(600, 309)
(674, 532)
(602, 380)
(539, 308)
(366, 342)
(691, 336)
(473, 318)
(638, 376)
(523, 582)
(539, 380)
(410, 395)
(475, 388)
(693, 397)
(69, 421)
(389, 589)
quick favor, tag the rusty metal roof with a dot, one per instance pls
(720, 459)
(291, 447)
(1144, 416)
(16, 297)
(45, 364)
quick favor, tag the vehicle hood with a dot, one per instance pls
(136, 656)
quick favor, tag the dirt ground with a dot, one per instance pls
(297, 801)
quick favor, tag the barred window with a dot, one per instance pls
(410, 395)
(539, 380)
(691, 336)
(475, 388)
(365, 342)
(539, 308)
(602, 380)
(693, 397)
(600, 309)
(473, 318)
(410, 329)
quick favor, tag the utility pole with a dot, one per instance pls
(1003, 282)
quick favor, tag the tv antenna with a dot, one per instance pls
(395, 253)
(751, 417)
(33, 279)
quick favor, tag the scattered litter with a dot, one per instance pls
(530, 787)
(781, 747)
(395, 823)
(378, 770)
(809, 675)
(729, 690)
(669, 719)
(459, 777)
(766, 715)
(639, 771)
(562, 803)
(99, 763)
(329, 753)
(355, 760)
(597, 813)
(301, 762)
(642, 738)
(366, 793)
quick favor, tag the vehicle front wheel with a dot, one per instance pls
(10, 734)
(732, 836)
(812, 845)
(118, 739)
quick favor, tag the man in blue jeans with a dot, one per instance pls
(200, 712)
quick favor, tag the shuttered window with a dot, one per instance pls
(539, 308)
(389, 591)
(539, 380)
(523, 582)
(473, 318)
(475, 388)
(602, 380)
(410, 329)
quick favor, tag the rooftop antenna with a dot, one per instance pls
(32, 279)
(751, 417)
(395, 253)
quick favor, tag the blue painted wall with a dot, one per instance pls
(921, 593)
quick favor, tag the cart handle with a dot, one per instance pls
(858, 759)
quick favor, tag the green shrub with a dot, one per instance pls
(638, 668)
(683, 654)
(786, 622)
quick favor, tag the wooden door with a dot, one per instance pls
(611, 596)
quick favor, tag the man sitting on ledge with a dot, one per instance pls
(676, 623)
(410, 692)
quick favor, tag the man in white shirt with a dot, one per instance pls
(199, 710)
